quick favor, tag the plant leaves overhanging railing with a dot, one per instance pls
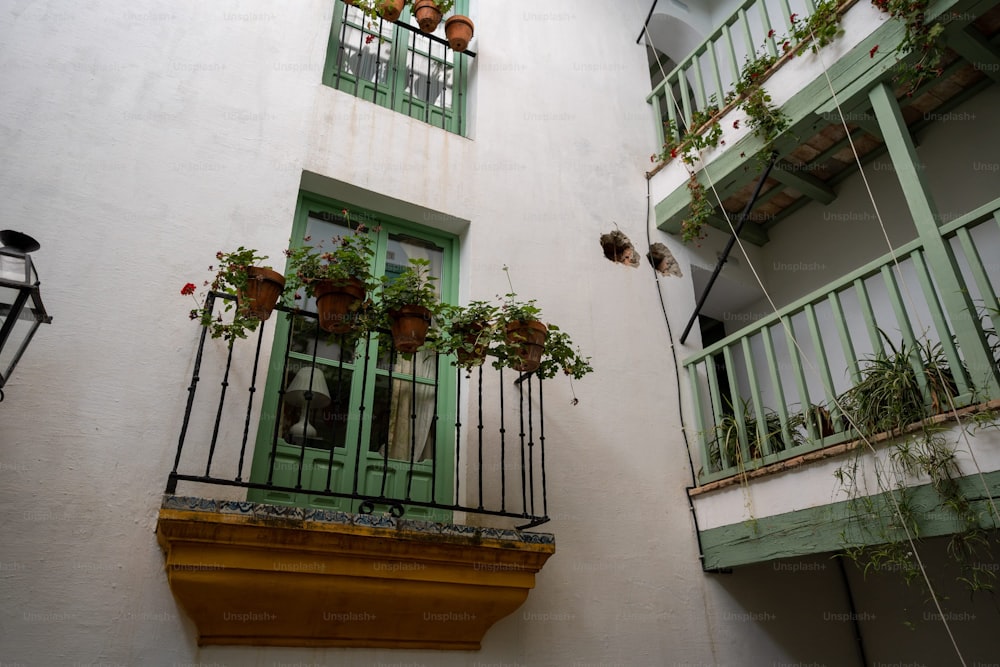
(733, 381)
(711, 70)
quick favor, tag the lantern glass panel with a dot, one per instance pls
(24, 325)
(18, 268)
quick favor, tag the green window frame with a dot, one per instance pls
(325, 443)
(399, 67)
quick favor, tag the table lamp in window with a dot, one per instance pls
(309, 392)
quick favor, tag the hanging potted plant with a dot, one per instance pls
(468, 332)
(390, 10)
(339, 278)
(429, 12)
(459, 29)
(408, 303)
(524, 334)
(529, 346)
(256, 288)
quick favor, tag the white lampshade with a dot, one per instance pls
(295, 394)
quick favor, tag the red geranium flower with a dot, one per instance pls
(188, 289)
(736, 124)
(871, 54)
(794, 17)
(770, 33)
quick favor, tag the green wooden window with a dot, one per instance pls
(409, 404)
(399, 68)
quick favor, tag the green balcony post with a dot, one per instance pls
(699, 417)
(701, 100)
(765, 21)
(779, 391)
(822, 362)
(661, 138)
(738, 408)
(717, 412)
(940, 257)
(747, 34)
(905, 326)
(758, 404)
(718, 76)
(731, 50)
(940, 324)
(682, 83)
(865, 303)
(987, 291)
(799, 374)
(672, 113)
(846, 342)
(786, 12)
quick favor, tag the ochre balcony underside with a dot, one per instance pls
(289, 582)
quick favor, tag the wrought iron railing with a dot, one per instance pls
(773, 390)
(356, 427)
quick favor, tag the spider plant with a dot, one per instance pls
(889, 396)
(727, 439)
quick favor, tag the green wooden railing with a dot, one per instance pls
(710, 72)
(755, 393)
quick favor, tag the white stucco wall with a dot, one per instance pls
(141, 138)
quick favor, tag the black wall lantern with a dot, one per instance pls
(21, 309)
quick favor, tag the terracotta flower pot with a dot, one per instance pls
(428, 15)
(476, 353)
(259, 297)
(458, 29)
(336, 303)
(409, 327)
(528, 339)
(390, 10)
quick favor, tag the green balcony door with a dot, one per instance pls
(388, 418)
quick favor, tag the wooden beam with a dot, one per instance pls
(973, 47)
(752, 231)
(939, 255)
(807, 184)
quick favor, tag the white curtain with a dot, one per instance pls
(402, 427)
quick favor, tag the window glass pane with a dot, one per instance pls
(402, 419)
(362, 53)
(402, 248)
(429, 76)
(322, 232)
(319, 422)
(306, 335)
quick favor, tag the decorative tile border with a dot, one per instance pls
(263, 511)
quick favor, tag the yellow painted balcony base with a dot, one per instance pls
(266, 581)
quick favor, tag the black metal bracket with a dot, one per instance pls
(741, 221)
